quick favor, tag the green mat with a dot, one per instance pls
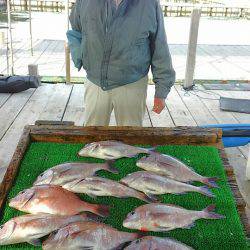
(207, 234)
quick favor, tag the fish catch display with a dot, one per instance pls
(112, 150)
(153, 184)
(63, 173)
(89, 235)
(29, 228)
(53, 200)
(165, 217)
(97, 186)
(157, 243)
(173, 168)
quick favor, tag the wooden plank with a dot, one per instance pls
(158, 120)
(178, 111)
(241, 117)
(30, 113)
(12, 108)
(248, 167)
(244, 150)
(76, 108)
(211, 101)
(57, 103)
(134, 135)
(14, 165)
(192, 45)
(239, 163)
(3, 98)
(199, 111)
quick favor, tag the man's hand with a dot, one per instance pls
(159, 105)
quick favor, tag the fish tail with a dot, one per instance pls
(211, 182)
(111, 168)
(209, 214)
(149, 198)
(101, 210)
(206, 191)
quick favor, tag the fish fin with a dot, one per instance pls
(91, 196)
(92, 217)
(102, 210)
(209, 214)
(206, 191)
(211, 182)
(152, 198)
(111, 167)
(189, 226)
(163, 229)
(35, 242)
(86, 248)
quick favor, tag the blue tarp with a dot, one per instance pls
(233, 141)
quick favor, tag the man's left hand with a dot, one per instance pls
(159, 105)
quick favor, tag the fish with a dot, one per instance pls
(158, 217)
(29, 228)
(98, 186)
(88, 236)
(112, 150)
(66, 172)
(53, 199)
(152, 184)
(173, 168)
(156, 243)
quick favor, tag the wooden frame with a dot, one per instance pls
(67, 132)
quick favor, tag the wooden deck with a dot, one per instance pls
(221, 62)
(65, 103)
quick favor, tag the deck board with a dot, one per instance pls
(65, 102)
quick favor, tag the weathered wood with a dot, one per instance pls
(152, 136)
(192, 45)
(30, 113)
(178, 111)
(75, 108)
(11, 109)
(248, 166)
(158, 120)
(14, 166)
(239, 200)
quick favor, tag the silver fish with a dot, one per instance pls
(97, 186)
(31, 227)
(159, 217)
(111, 150)
(173, 168)
(53, 200)
(89, 236)
(157, 243)
(153, 184)
(63, 173)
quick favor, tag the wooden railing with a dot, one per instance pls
(169, 9)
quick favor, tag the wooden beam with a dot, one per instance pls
(248, 166)
(192, 45)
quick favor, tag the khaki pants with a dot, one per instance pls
(128, 103)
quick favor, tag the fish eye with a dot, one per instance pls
(132, 213)
(1, 227)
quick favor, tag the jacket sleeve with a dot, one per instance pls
(161, 64)
(74, 17)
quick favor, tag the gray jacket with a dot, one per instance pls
(118, 47)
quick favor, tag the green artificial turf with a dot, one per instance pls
(207, 234)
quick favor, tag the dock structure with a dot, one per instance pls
(178, 9)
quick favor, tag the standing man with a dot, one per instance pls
(120, 40)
